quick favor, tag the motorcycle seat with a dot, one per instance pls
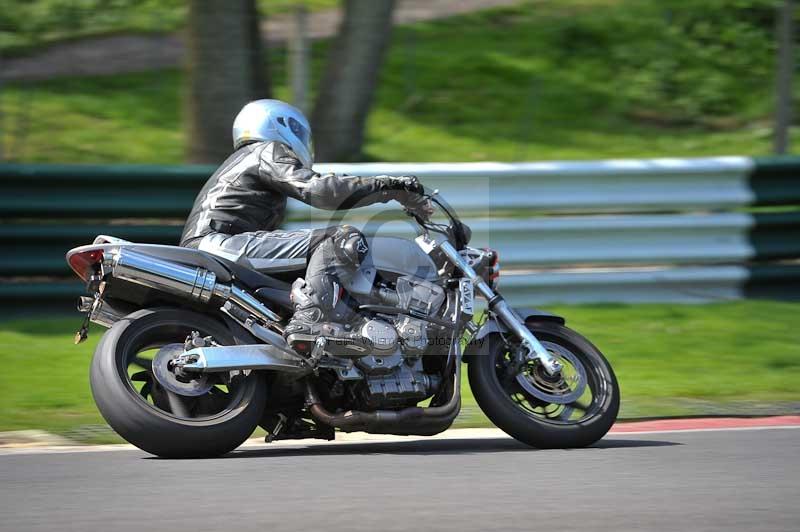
(250, 278)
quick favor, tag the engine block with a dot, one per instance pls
(380, 361)
(398, 387)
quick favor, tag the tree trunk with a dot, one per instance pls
(259, 53)
(300, 59)
(224, 72)
(351, 74)
(785, 68)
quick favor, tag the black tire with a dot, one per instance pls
(154, 430)
(531, 429)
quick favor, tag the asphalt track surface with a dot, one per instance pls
(732, 480)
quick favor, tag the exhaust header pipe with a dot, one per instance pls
(408, 421)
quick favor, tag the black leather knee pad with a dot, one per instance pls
(350, 245)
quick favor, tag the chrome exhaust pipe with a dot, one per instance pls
(197, 284)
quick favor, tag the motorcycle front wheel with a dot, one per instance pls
(573, 409)
(213, 416)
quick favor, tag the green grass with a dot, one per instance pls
(27, 26)
(567, 79)
(736, 357)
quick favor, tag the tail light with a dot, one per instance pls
(85, 263)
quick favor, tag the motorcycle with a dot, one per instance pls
(194, 358)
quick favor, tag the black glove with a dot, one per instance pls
(407, 183)
(410, 195)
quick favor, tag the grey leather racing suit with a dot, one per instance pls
(238, 211)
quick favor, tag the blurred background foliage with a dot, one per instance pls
(679, 61)
(25, 25)
(540, 80)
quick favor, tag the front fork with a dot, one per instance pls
(498, 305)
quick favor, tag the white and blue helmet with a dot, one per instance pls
(274, 120)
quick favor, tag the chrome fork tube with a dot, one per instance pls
(535, 348)
(498, 305)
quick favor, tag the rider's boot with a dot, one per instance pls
(325, 315)
(318, 299)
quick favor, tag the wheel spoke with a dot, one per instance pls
(141, 372)
(566, 413)
(141, 376)
(177, 404)
(142, 362)
(146, 390)
(580, 406)
(568, 399)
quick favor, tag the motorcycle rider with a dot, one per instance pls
(237, 212)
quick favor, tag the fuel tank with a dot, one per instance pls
(399, 256)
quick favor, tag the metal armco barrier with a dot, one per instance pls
(685, 230)
(82, 191)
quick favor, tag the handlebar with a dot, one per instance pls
(456, 231)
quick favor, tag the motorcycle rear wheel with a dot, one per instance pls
(155, 419)
(533, 420)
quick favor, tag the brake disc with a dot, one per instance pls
(196, 385)
(555, 389)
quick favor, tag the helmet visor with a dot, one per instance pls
(303, 134)
(300, 131)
